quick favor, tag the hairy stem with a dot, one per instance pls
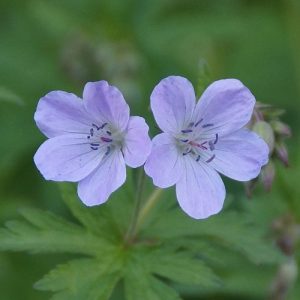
(149, 204)
(130, 234)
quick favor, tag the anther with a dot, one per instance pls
(207, 125)
(216, 140)
(211, 146)
(185, 153)
(108, 132)
(105, 139)
(107, 151)
(97, 127)
(94, 148)
(184, 141)
(198, 158)
(92, 131)
(186, 130)
(103, 125)
(191, 124)
(94, 144)
(211, 159)
(197, 123)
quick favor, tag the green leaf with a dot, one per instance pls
(105, 220)
(144, 263)
(231, 229)
(141, 285)
(44, 232)
(181, 267)
(98, 282)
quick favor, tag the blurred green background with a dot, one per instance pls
(60, 45)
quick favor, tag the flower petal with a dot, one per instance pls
(67, 158)
(164, 165)
(225, 106)
(106, 103)
(200, 191)
(137, 145)
(109, 176)
(240, 155)
(59, 113)
(172, 103)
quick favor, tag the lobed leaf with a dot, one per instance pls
(98, 282)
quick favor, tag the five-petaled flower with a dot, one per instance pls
(90, 140)
(202, 138)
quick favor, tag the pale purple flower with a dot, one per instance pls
(90, 140)
(201, 139)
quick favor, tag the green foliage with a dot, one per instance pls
(83, 279)
(255, 41)
(174, 254)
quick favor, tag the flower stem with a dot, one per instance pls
(149, 204)
(130, 234)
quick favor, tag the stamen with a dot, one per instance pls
(186, 130)
(107, 151)
(94, 144)
(88, 137)
(103, 125)
(211, 145)
(198, 158)
(217, 138)
(198, 145)
(108, 132)
(94, 148)
(105, 139)
(185, 153)
(197, 123)
(202, 145)
(92, 131)
(191, 124)
(207, 125)
(184, 141)
(211, 159)
(97, 127)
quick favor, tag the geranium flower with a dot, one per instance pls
(201, 139)
(90, 140)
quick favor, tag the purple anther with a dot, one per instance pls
(211, 145)
(92, 131)
(94, 148)
(186, 130)
(105, 139)
(107, 151)
(191, 124)
(217, 138)
(88, 137)
(108, 132)
(97, 127)
(198, 158)
(185, 153)
(184, 141)
(103, 125)
(210, 159)
(197, 123)
(202, 145)
(94, 144)
(207, 125)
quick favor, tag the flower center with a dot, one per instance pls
(197, 143)
(103, 136)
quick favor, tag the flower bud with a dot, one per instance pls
(265, 130)
(281, 128)
(267, 175)
(282, 153)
